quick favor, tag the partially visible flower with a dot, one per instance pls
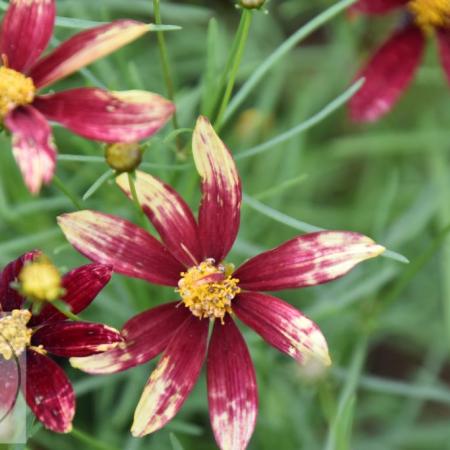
(252, 4)
(123, 157)
(90, 112)
(47, 390)
(191, 258)
(391, 69)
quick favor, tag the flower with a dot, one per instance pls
(90, 112)
(391, 69)
(47, 390)
(191, 258)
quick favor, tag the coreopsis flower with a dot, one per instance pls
(29, 338)
(392, 68)
(191, 258)
(90, 112)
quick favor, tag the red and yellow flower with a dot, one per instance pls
(24, 334)
(90, 112)
(392, 68)
(191, 258)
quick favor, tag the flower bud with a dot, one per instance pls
(251, 4)
(40, 280)
(123, 157)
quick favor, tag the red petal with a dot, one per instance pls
(33, 146)
(81, 286)
(307, 260)
(49, 393)
(9, 298)
(173, 379)
(10, 379)
(76, 338)
(219, 214)
(169, 214)
(387, 75)
(107, 116)
(232, 390)
(282, 326)
(84, 48)
(378, 6)
(26, 30)
(444, 50)
(128, 249)
(146, 336)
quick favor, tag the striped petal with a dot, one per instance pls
(81, 286)
(232, 390)
(377, 6)
(307, 260)
(76, 338)
(173, 379)
(49, 393)
(33, 146)
(85, 48)
(128, 249)
(283, 327)
(97, 114)
(9, 298)
(443, 35)
(169, 214)
(26, 30)
(387, 75)
(145, 336)
(219, 214)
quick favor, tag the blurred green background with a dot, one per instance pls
(387, 324)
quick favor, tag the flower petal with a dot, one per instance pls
(26, 30)
(232, 390)
(443, 35)
(11, 375)
(128, 249)
(127, 116)
(387, 75)
(307, 260)
(145, 336)
(378, 6)
(84, 48)
(33, 146)
(49, 393)
(9, 298)
(173, 379)
(283, 327)
(169, 214)
(219, 214)
(81, 286)
(76, 338)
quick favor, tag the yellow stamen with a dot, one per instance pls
(15, 336)
(207, 290)
(40, 280)
(15, 89)
(430, 14)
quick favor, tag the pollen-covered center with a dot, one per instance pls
(15, 89)
(15, 336)
(208, 289)
(430, 14)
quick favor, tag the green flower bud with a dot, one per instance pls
(123, 157)
(251, 4)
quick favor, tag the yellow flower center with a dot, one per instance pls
(15, 336)
(430, 14)
(207, 290)
(40, 280)
(15, 89)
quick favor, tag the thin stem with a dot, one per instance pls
(91, 441)
(244, 28)
(64, 308)
(72, 197)
(166, 66)
(135, 198)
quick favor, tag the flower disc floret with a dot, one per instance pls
(430, 14)
(207, 290)
(15, 336)
(15, 90)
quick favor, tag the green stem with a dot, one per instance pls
(135, 198)
(166, 67)
(91, 441)
(64, 308)
(62, 187)
(244, 28)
